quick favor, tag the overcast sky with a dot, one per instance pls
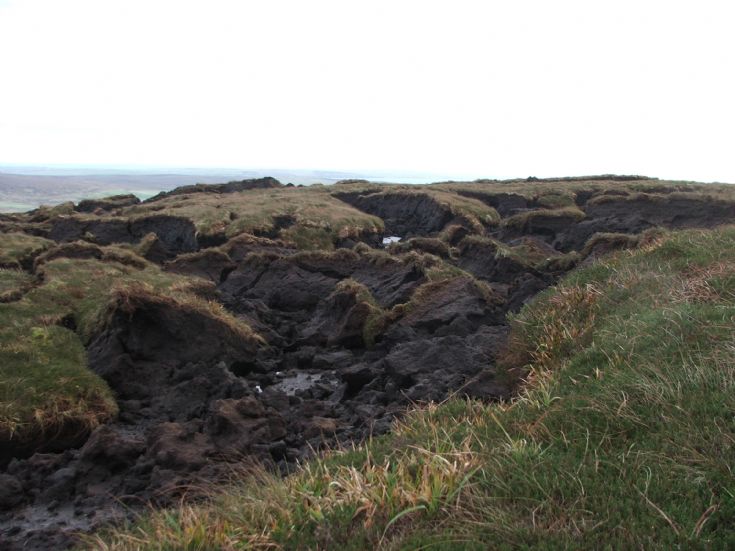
(469, 88)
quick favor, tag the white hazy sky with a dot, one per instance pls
(466, 88)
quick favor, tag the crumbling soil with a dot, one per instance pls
(198, 402)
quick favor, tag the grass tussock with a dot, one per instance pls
(620, 437)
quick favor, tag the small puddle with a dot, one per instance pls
(300, 381)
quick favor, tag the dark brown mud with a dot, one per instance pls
(350, 339)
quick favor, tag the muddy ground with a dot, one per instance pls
(196, 403)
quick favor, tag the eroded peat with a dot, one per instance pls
(241, 342)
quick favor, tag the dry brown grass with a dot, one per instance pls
(310, 217)
(699, 284)
(131, 296)
(83, 249)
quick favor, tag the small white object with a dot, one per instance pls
(279, 372)
(258, 389)
(391, 239)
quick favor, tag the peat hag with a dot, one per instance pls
(153, 349)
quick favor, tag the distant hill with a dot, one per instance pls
(26, 188)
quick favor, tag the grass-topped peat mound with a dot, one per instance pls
(197, 352)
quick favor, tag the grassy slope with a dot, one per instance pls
(622, 438)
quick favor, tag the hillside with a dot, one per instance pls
(537, 363)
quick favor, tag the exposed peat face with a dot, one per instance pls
(348, 338)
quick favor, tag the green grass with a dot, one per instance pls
(622, 436)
